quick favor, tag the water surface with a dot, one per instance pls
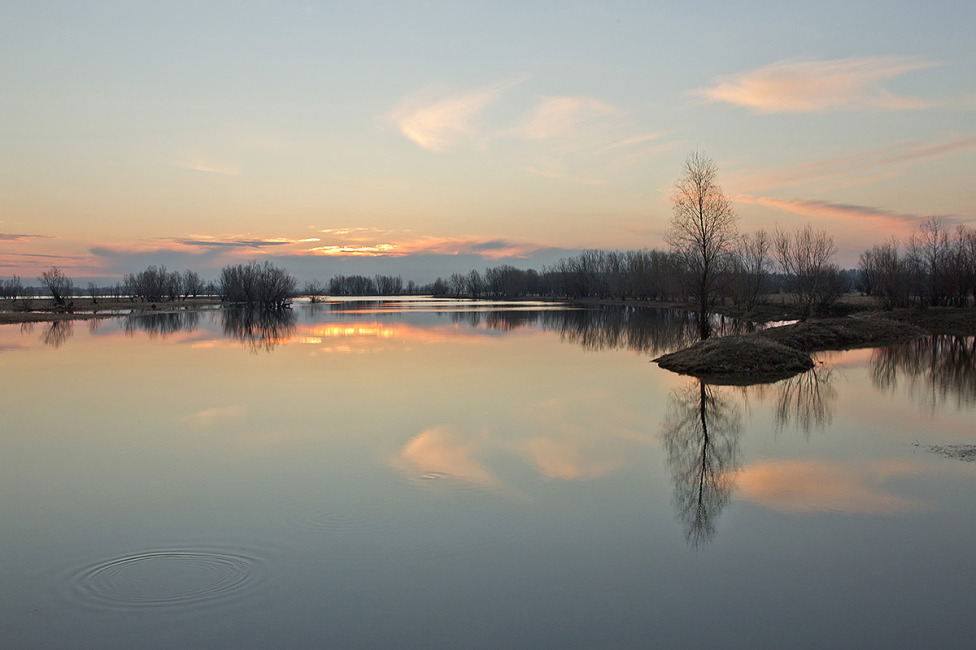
(421, 474)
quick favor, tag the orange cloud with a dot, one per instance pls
(815, 86)
(430, 245)
(356, 251)
(804, 486)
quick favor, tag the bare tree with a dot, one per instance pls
(458, 283)
(58, 284)
(703, 232)
(93, 292)
(752, 268)
(191, 285)
(884, 273)
(314, 290)
(11, 288)
(804, 256)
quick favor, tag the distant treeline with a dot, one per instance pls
(933, 266)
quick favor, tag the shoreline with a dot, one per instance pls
(44, 310)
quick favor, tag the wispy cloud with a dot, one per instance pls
(560, 116)
(798, 86)
(439, 123)
(238, 242)
(8, 236)
(635, 140)
(200, 163)
(828, 210)
(855, 168)
(488, 248)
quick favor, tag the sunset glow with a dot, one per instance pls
(324, 137)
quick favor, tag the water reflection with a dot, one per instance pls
(161, 325)
(937, 369)
(701, 434)
(57, 333)
(804, 401)
(645, 330)
(258, 329)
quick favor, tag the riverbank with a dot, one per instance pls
(43, 310)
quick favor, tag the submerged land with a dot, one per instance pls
(44, 310)
(765, 355)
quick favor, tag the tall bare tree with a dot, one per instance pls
(703, 232)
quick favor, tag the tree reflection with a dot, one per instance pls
(804, 401)
(937, 368)
(258, 329)
(701, 436)
(162, 324)
(58, 333)
(646, 330)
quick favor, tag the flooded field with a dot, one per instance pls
(427, 473)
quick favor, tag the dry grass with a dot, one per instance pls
(743, 359)
(841, 333)
(44, 309)
(781, 352)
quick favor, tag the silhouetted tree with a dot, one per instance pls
(751, 269)
(191, 285)
(258, 285)
(884, 274)
(702, 233)
(12, 288)
(804, 255)
(58, 284)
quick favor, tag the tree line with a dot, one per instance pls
(933, 266)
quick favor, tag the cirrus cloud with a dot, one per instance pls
(810, 86)
(438, 124)
(828, 210)
(557, 116)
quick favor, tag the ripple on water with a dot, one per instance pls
(358, 520)
(166, 579)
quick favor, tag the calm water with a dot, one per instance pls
(445, 474)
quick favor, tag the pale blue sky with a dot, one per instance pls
(194, 133)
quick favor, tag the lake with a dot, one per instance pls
(435, 473)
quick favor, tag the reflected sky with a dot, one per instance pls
(427, 477)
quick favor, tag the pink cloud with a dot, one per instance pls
(796, 86)
(827, 210)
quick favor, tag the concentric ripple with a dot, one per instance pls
(165, 579)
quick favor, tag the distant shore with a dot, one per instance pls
(44, 310)
(931, 320)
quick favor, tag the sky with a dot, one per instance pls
(425, 138)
